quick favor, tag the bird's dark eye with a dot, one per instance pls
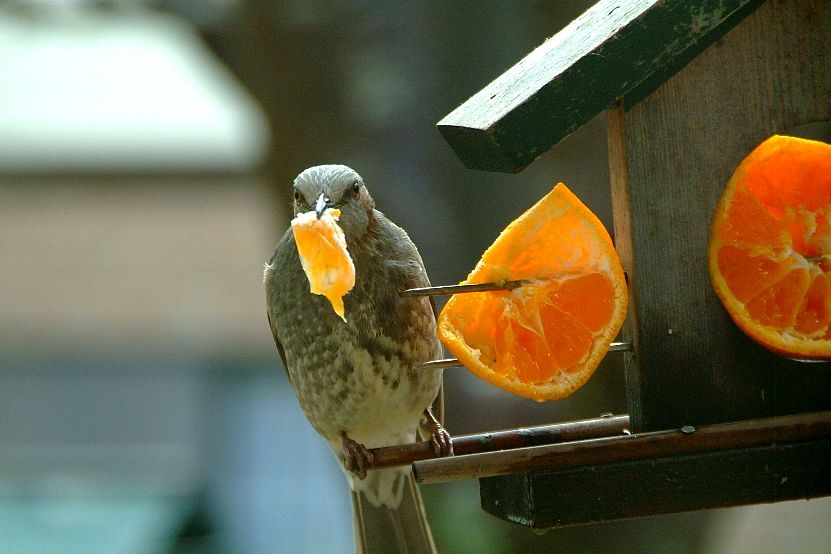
(297, 196)
(356, 189)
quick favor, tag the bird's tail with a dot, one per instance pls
(383, 530)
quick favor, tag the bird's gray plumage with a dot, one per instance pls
(357, 378)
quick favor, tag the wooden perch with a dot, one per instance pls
(504, 440)
(659, 444)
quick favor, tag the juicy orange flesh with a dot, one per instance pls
(544, 339)
(777, 305)
(321, 245)
(545, 326)
(814, 314)
(771, 236)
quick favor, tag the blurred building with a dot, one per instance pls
(140, 398)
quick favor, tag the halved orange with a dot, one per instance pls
(545, 339)
(769, 252)
(321, 245)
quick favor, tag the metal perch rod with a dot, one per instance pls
(504, 440)
(481, 287)
(453, 362)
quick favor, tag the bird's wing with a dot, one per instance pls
(438, 403)
(279, 346)
(268, 279)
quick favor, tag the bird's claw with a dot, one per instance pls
(442, 444)
(357, 458)
(439, 437)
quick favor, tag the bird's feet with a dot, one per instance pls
(442, 444)
(357, 458)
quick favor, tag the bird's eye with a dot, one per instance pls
(356, 189)
(297, 196)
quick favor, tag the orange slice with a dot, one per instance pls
(770, 247)
(321, 245)
(545, 339)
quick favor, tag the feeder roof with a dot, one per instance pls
(617, 49)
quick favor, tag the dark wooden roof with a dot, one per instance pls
(616, 49)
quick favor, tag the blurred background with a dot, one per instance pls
(147, 149)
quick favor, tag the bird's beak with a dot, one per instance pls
(321, 204)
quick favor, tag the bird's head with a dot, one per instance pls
(335, 186)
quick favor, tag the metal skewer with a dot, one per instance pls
(481, 287)
(453, 362)
(469, 287)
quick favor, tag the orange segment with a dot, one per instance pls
(321, 245)
(750, 274)
(545, 339)
(814, 313)
(770, 246)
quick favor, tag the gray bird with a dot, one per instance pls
(356, 379)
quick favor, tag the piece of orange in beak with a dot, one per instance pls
(321, 245)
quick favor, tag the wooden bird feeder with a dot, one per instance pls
(689, 88)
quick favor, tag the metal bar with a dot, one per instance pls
(440, 364)
(453, 362)
(500, 440)
(467, 287)
(659, 444)
(620, 347)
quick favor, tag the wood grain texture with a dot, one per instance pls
(692, 365)
(612, 50)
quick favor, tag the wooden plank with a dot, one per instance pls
(672, 154)
(659, 444)
(606, 492)
(614, 49)
(622, 226)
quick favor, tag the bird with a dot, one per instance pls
(356, 379)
